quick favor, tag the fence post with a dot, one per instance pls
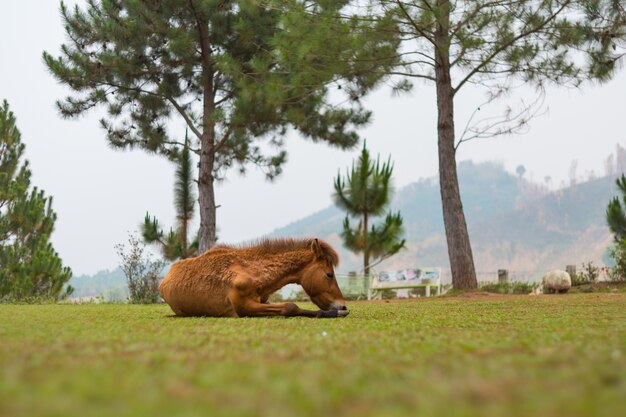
(503, 276)
(571, 270)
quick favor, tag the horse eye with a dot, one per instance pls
(330, 275)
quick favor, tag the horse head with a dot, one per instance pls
(318, 278)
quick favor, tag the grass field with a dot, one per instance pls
(484, 356)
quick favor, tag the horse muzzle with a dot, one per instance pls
(342, 310)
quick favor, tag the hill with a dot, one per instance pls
(108, 284)
(513, 223)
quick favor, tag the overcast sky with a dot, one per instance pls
(100, 194)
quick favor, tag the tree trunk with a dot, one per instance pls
(459, 248)
(366, 248)
(206, 192)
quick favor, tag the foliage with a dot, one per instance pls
(176, 245)
(239, 73)
(509, 287)
(366, 192)
(452, 357)
(616, 212)
(30, 268)
(490, 42)
(142, 273)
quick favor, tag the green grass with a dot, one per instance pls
(484, 356)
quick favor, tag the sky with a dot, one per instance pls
(101, 195)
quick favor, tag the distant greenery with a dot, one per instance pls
(509, 287)
(106, 284)
(515, 356)
(30, 268)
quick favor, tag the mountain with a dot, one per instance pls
(513, 223)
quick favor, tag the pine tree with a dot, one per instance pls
(176, 245)
(616, 212)
(365, 193)
(29, 266)
(494, 45)
(237, 72)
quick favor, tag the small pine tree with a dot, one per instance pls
(29, 266)
(176, 245)
(616, 219)
(616, 212)
(365, 193)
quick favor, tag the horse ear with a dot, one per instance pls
(317, 249)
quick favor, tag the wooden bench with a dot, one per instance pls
(405, 278)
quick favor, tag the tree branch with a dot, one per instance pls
(508, 44)
(185, 116)
(414, 24)
(509, 123)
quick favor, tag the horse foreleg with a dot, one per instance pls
(246, 307)
(292, 310)
(246, 302)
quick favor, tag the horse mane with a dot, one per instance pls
(277, 245)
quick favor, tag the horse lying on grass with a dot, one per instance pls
(237, 281)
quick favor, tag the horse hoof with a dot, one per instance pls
(343, 313)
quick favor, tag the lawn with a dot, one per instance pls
(561, 355)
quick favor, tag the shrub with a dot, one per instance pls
(142, 273)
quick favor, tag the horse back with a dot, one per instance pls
(199, 286)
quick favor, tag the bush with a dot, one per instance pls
(142, 273)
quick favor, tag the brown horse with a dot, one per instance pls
(231, 281)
